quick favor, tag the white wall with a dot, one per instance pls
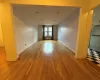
(25, 35)
(67, 31)
(96, 16)
(40, 33)
(55, 32)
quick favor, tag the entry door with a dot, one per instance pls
(48, 32)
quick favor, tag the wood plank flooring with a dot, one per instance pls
(47, 60)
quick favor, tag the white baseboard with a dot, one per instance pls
(66, 46)
(25, 49)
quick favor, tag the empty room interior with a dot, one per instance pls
(54, 40)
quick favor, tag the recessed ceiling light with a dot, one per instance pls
(37, 12)
(57, 12)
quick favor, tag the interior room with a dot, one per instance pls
(49, 40)
(94, 42)
(32, 23)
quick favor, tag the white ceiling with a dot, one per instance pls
(47, 15)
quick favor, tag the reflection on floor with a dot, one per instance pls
(94, 56)
(48, 60)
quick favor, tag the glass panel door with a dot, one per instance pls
(48, 32)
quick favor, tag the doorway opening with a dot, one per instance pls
(94, 42)
(48, 32)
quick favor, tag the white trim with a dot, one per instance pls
(18, 54)
(67, 46)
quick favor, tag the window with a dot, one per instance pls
(45, 29)
(45, 33)
(50, 28)
(48, 31)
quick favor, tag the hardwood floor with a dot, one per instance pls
(2, 55)
(47, 60)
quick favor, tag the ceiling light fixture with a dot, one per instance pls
(57, 12)
(37, 12)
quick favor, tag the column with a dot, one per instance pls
(85, 23)
(7, 29)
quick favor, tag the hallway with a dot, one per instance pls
(47, 60)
